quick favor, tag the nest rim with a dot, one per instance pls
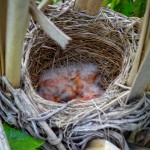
(122, 76)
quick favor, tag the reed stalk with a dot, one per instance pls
(93, 6)
(142, 79)
(0, 67)
(140, 51)
(81, 5)
(49, 27)
(16, 27)
(3, 14)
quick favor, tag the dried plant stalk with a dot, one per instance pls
(142, 79)
(3, 13)
(44, 4)
(0, 66)
(1, 57)
(16, 27)
(147, 44)
(93, 6)
(81, 5)
(138, 57)
(147, 39)
(55, 33)
(147, 35)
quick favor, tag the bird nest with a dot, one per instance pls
(101, 40)
(108, 40)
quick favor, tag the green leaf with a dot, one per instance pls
(38, 0)
(56, 1)
(19, 140)
(114, 3)
(106, 2)
(139, 7)
(124, 6)
(130, 8)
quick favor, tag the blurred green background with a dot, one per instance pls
(130, 8)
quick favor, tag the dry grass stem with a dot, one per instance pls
(140, 51)
(81, 5)
(93, 7)
(16, 27)
(3, 16)
(142, 77)
(53, 31)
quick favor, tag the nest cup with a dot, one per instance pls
(108, 40)
(93, 41)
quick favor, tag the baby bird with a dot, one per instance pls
(66, 83)
(91, 92)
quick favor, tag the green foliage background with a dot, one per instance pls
(54, 1)
(19, 140)
(130, 8)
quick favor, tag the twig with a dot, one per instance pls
(30, 110)
(49, 114)
(7, 101)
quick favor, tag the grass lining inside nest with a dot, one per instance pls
(91, 44)
(84, 48)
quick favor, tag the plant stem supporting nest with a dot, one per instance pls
(142, 60)
(17, 21)
(142, 46)
(3, 12)
(92, 7)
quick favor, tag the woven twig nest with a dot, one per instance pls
(94, 40)
(108, 40)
